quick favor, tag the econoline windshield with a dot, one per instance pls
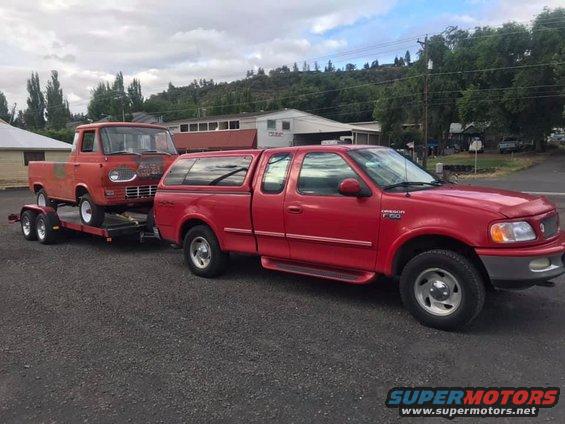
(136, 140)
(387, 168)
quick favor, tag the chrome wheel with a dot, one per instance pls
(26, 225)
(438, 292)
(200, 252)
(41, 229)
(41, 200)
(86, 211)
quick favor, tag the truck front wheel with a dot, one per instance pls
(202, 252)
(442, 289)
(90, 214)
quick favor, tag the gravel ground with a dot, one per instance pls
(122, 332)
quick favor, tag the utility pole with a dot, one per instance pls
(428, 65)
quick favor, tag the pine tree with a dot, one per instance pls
(120, 102)
(135, 96)
(295, 67)
(316, 67)
(375, 64)
(57, 107)
(4, 112)
(329, 67)
(305, 67)
(34, 114)
(407, 58)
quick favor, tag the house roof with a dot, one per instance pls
(12, 138)
(217, 140)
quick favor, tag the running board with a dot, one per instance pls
(321, 271)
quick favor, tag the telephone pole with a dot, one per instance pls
(427, 64)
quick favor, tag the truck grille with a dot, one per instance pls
(140, 192)
(549, 226)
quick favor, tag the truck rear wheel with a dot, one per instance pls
(47, 228)
(42, 199)
(27, 221)
(202, 252)
(442, 289)
(90, 213)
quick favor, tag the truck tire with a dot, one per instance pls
(90, 213)
(42, 199)
(27, 221)
(47, 228)
(442, 289)
(202, 252)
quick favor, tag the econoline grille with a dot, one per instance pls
(140, 192)
(549, 226)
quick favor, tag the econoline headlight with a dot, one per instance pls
(511, 232)
(121, 175)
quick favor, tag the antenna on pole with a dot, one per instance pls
(429, 65)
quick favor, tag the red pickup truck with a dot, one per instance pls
(351, 213)
(112, 167)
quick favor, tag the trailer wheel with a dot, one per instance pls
(90, 213)
(442, 289)
(47, 228)
(42, 199)
(28, 225)
(202, 252)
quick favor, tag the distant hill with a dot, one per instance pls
(345, 96)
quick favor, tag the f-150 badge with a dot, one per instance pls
(392, 213)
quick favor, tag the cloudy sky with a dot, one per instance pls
(159, 41)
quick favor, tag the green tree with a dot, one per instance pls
(57, 108)
(407, 60)
(329, 67)
(34, 114)
(120, 101)
(134, 95)
(100, 103)
(4, 111)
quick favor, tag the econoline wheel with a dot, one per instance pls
(27, 221)
(442, 289)
(90, 213)
(43, 199)
(202, 252)
(47, 228)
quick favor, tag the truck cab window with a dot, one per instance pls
(88, 142)
(275, 175)
(321, 174)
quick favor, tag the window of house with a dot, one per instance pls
(88, 142)
(234, 125)
(178, 172)
(193, 127)
(271, 124)
(219, 171)
(274, 178)
(33, 156)
(203, 126)
(184, 128)
(321, 174)
(286, 125)
(212, 126)
(224, 125)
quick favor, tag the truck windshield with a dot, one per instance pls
(136, 140)
(388, 168)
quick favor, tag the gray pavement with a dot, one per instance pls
(122, 332)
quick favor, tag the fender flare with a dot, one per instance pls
(198, 217)
(415, 233)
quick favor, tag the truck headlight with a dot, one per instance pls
(511, 232)
(121, 175)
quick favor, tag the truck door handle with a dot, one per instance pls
(76, 164)
(294, 209)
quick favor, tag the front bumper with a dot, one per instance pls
(512, 268)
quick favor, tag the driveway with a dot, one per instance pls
(122, 332)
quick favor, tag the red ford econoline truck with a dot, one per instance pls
(113, 166)
(351, 213)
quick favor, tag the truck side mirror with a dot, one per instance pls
(350, 187)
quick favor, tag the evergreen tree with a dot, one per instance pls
(305, 67)
(4, 111)
(134, 95)
(350, 67)
(366, 65)
(34, 114)
(329, 67)
(100, 104)
(57, 107)
(375, 64)
(316, 67)
(295, 67)
(407, 58)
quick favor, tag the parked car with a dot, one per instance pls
(113, 166)
(352, 213)
(476, 145)
(509, 145)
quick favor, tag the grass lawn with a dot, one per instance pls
(489, 164)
